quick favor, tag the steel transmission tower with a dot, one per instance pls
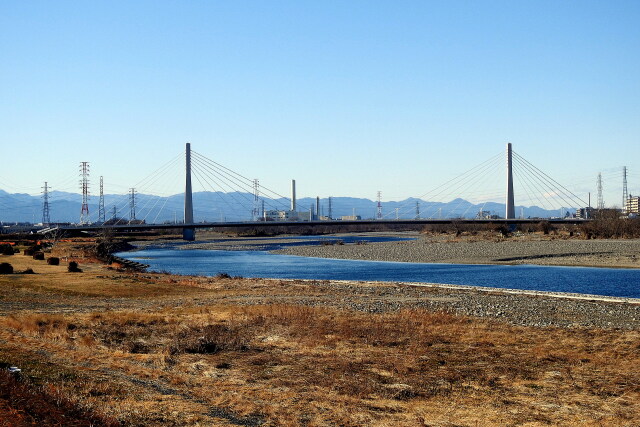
(417, 209)
(600, 200)
(625, 195)
(101, 215)
(84, 186)
(132, 204)
(379, 211)
(45, 205)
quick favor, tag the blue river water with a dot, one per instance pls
(596, 281)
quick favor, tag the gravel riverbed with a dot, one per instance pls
(540, 309)
(598, 253)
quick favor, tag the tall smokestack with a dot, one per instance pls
(293, 195)
(317, 208)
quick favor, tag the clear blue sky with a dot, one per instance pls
(348, 97)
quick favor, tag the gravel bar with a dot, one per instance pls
(596, 253)
(526, 308)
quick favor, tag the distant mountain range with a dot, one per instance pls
(238, 206)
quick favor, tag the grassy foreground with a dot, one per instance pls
(107, 347)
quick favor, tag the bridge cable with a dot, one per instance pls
(248, 183)
(206, 175)
(551, 190)
(478, 180)
(526, 186)
(209, 172)
(549, 193)
(247, 186)
(553, 180)
(462, 186)
(523, 178)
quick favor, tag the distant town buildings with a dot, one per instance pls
(633, 205)
(585, 213)
(486, 215)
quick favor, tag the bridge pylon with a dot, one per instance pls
(511, 210)
(188, 233)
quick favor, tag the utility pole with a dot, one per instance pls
(45, 205)
(600, 199)
(379, 210)
(132, 204)
(84, 186)
(101, 215)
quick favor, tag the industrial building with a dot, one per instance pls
(291, 214)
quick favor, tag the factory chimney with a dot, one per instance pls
(293, 195)
(317, 208)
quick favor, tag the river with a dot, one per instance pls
(251, 263)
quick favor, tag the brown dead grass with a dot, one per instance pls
(164, 350)
(24, 404)
(287, 363)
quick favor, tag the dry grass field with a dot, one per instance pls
(109, 347)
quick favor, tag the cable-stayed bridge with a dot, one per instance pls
(503, 188)
(508, 177)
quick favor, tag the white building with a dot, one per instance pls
(633, 205)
